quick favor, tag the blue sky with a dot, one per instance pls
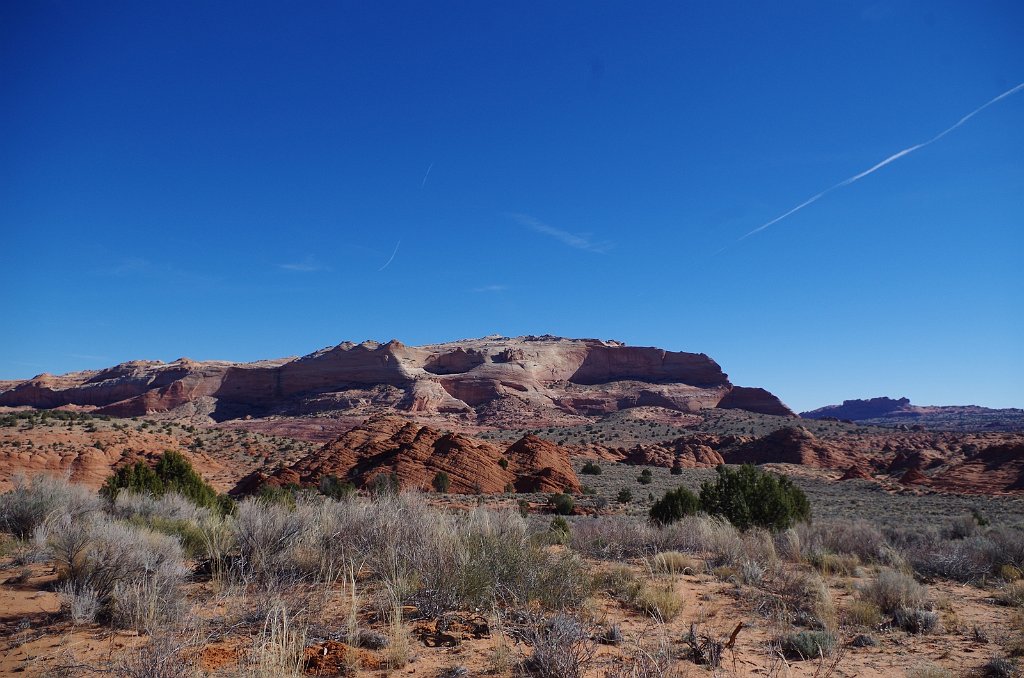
(249, 180)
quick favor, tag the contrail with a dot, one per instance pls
(892, 158)
(424, 182)
(388, 263)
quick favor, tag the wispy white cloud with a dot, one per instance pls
(424, 182)
(307, 265)
(892, 158)
(491, 288)
(388, 262)
(580, 241)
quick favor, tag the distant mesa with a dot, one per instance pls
(900, 413)
(528, 381)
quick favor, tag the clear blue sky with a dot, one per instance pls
(230, 181)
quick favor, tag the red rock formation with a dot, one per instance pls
(914, 477)
(415, 454)
(995, 469)
(754, 400)
(490, 380)
(855, 473)
(697, 451)
(790, 445)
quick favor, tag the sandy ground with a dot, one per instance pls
(35, 640)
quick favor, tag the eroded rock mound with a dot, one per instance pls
(415, 454)
(789, 445)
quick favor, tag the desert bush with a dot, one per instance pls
(1012, 594)
(1000, 667)
(81, 604)
(169, 506)
(844, 538)
(591, 469)
(172, 473)
(563, 504)
(441, 482)
(862, 613)
(562, 648)
(807, 598)
(31, 503)
(334, 488)
(674, 506)
(808, 644)
(164, 655)
(611, 537)
(268, 538)
(916, 620)
(892, 590)
(624, 496)
(136, 574)
(749, 497)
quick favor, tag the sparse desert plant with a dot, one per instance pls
(916, 620)
(33, 502)
(659, 601)
(807, 595)
(892, 590)
(1012, 594)
(268, 536)
(136, 574)
(277, 650)
(1000, 667)
(930, 671)
(624, 496)
(562, 648)
(81, 604)
(675, 562)
(861, 613)
(591, 469)
(808, 644)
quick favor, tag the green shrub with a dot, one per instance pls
(441, 482)
(645, 477)
(563, 504)
(172, 473)
(335, 488)
(674, 505)
(591, 469)
(625, 496)
(808, 644)
(749, 497)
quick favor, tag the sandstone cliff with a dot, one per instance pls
(491, 381)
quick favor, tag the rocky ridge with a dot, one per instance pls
(490, 381)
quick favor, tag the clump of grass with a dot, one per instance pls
(660, 602)
(1012, 594)
(832, 564)
(930, 671)
(807, 644)
(675, 562)
(892, 591)
(862, 613)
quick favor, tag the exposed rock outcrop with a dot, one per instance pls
(789, 445)
(415, 454)
(486, 381)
